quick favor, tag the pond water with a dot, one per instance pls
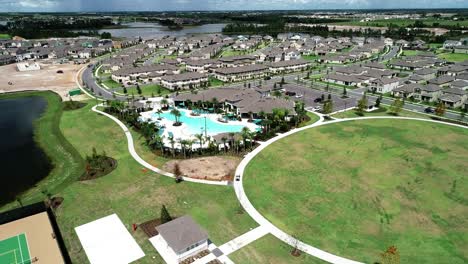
(151, 30)
(22, 161)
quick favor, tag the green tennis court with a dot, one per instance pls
(14, 250)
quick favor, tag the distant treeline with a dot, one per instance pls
(54, 27)
(322, 30)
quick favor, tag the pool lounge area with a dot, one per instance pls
(191, 125)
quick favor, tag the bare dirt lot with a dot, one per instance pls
(45, 79)
(208, 168)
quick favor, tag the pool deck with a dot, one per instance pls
(185, 131)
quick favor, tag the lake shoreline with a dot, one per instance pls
(67, 164)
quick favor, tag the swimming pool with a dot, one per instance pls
(196, 124)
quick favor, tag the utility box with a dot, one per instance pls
(74, 92)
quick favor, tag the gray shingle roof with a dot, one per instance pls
(182, 233)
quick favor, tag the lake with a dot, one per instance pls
(151, 30)
(23, 163)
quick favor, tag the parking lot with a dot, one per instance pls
(311, 97)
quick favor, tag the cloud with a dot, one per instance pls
(163, 5)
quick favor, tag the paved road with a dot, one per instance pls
(274, 230)
(391, 54)
(90, 83)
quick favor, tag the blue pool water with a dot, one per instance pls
(196, 124)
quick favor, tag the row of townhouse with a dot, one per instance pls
(185, 80)
(150, 74)
(451, 97)
(72, 48)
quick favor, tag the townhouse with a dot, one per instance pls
(231, 74)
(453, 97)
(186, 80)
(133, 74)
(383, 85)
(288, 66)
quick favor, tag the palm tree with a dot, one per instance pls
(164, 103)
(183, 144)
(245, 134)
(200, 139)
(176, 114)
(190, 145)
(172, 141)
(224, 139)
(159, 112)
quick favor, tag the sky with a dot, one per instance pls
(215, 5)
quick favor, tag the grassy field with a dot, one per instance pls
(67, 163)
(5, 36)
(410, 52)
(453, 57)
(111, 84)
(428, 22)
(382, 111)
(358, 187)
(313, 118)
(135, 194)
(215, 82)
(260, 251)
(310, 57)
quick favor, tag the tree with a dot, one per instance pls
(139, 89)
(165, 216)
(282, 80)
(328, 107)
(176, 113)
(106, 35)
(378, 101)
(125, 90)
(345, 93)
(390, 256)
(362, 104)
(396, 106)
(440, 110)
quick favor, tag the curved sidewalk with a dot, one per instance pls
(131, 149)
(261, 220)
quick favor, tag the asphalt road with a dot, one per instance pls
(90, 83)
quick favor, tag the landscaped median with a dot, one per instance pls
(68, 165)
(356, 188)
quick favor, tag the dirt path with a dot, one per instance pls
(207, 168)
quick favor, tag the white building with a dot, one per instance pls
(25, 66)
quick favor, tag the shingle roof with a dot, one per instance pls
(182, 233)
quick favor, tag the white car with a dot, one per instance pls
(299, 95)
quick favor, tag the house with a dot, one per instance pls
(407, 90)
(288, 66)
(428, 93)
(463, 49)
(24, 66)
(453, 97)
(7, 59)
(442, 81)
(184, 80)
(450, 44)
(426, 73)
(248, 72)
(383, 85)
(349, 80)
(183, 238)
(460, 84)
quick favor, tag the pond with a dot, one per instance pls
(22, 161)
(151, 30)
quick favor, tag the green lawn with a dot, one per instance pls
(453, 57)
(215, 82)
(5, 36)
(111, 84)
(358, 187)
(270, 250)
(68, 165)
(380, 112)
(137, 195)
(148, 90)
(310, 57)
(428, 22)
(313, 118)
(410, 52)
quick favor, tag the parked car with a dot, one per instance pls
(429, 110)
(237, 177)
(299, 95)
(318, 100)
(267, 78)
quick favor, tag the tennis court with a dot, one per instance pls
(15, 250)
